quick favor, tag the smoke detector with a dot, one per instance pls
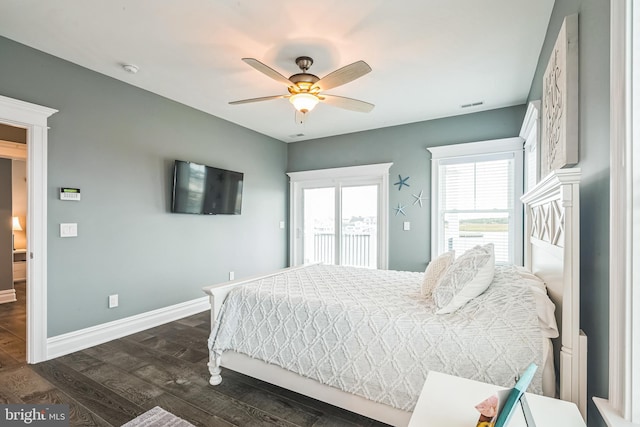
(130, 68)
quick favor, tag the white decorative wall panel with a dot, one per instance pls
(559, 146)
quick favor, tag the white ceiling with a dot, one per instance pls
(429, 57)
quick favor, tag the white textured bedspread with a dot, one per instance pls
(371, 333)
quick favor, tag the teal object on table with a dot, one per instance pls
(514, 396)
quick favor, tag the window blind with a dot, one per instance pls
(477, 203)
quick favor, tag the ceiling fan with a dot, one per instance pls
(307, 90)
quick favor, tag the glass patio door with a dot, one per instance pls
(340, 225)
(339, 216)
(319, 225)
(359, 226)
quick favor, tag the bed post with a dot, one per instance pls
(214, 357)
(574, 341)
(214, 368)
(552, 251)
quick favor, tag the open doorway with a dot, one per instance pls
(33, 119)
(13, 245)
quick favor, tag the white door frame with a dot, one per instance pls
(376, 173)
(33, 118)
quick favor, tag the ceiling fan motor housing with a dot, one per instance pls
(304, 62)
(303, 81)
(304, 78)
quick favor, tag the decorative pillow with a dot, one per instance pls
(469, 276)
(435, 271)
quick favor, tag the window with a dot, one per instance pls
(339, 216)
(476, 190)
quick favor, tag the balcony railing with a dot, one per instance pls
(358, 250)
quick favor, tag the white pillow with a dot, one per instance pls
(435, 271)
(544, 306)
(469, 276)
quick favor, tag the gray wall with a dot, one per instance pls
(117, 143)
(594, 189)
(406, 146)
(6, 249)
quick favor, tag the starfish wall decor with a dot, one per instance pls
(400, 209)
(401, 182)
(419, 198)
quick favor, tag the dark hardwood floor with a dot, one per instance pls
(13, 330)
(112, 383)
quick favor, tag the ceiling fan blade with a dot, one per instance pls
(346, 103)
(268, 71)
(264, 98)
(343, 75)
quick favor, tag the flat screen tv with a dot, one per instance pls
(205, 190)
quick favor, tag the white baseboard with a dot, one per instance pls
(7, 295)
(79, 340)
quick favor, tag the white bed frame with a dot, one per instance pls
(552, 251)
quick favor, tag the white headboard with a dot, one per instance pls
(552, 252)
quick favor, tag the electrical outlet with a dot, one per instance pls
(113, 301)
(406, 226)
(282, 225)
(232, 275)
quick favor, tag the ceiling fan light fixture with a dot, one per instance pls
(306, 90)
(304, 102)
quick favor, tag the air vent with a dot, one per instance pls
(473, 104)
(297, 135)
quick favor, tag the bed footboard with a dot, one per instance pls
(217, 295)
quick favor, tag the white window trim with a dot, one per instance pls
(352, 174)
(494, 146)
(623, 405)
(530, 133)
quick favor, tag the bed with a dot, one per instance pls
(360, 341)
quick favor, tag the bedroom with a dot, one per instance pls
(104, 128)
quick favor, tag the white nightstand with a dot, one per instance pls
(450, 401)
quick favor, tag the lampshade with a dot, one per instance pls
(16, 224)
(304, 102)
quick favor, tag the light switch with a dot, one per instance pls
(406, 226)
(69, 230)
(282, 225)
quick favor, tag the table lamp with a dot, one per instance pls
(16, 227)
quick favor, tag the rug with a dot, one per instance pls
(157, 417)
